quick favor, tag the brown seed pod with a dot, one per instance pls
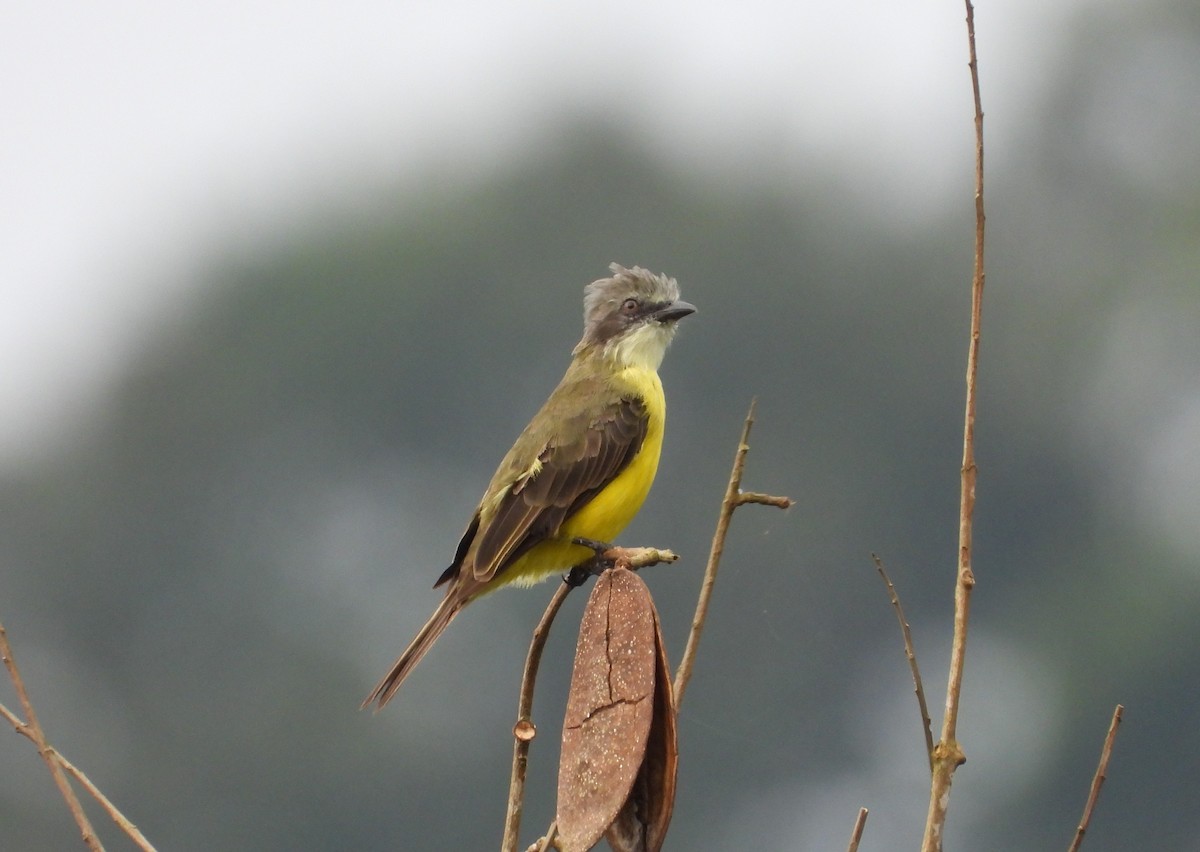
(641, 825)
(620, 701)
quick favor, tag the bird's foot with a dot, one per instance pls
(599, 563)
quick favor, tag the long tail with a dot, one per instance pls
(406, 662)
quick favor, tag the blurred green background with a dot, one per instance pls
(215, 541)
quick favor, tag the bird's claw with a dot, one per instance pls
(579, 574)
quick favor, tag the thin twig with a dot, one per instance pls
(948, 754)
(34, 732)
(524, 730)
(734, 497)
(547, 842)
(856, 835)
(765, 500)
(119, 818)
(911, 653)
(19, 726)
(131, 830)
(1098, 779)
(635, 558)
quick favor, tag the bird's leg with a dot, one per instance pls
(599, 547)
(578, 575)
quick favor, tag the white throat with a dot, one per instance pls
(642, 347)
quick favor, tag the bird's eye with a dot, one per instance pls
(630, 307)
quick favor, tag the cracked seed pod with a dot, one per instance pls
(641, 825)
(620, 700)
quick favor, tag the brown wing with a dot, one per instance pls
(572, 470)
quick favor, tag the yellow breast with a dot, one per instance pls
(610, 511)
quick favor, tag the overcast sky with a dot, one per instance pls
(137, 137)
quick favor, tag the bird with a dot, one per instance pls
(580, 470)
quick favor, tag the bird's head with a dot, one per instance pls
(630, 318)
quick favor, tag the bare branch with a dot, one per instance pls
(911, 653)
(765, 500)
(119, 818)
(524, 730)
(18, 726)
(1098, 779)
(33, 730)
(634, 558)
(734, 497)
(948, 754)
(856, 835)
(547, 842)
(131, 830)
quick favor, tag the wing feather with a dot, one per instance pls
(572, 470)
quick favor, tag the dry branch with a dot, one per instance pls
(857, 833)
(119, 818)
(1098, 779)
(549, 841)
(911, 653)
(948, 754)
(734, 497)
(523, 730)
(33, 730)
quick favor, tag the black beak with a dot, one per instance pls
(673, 311)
